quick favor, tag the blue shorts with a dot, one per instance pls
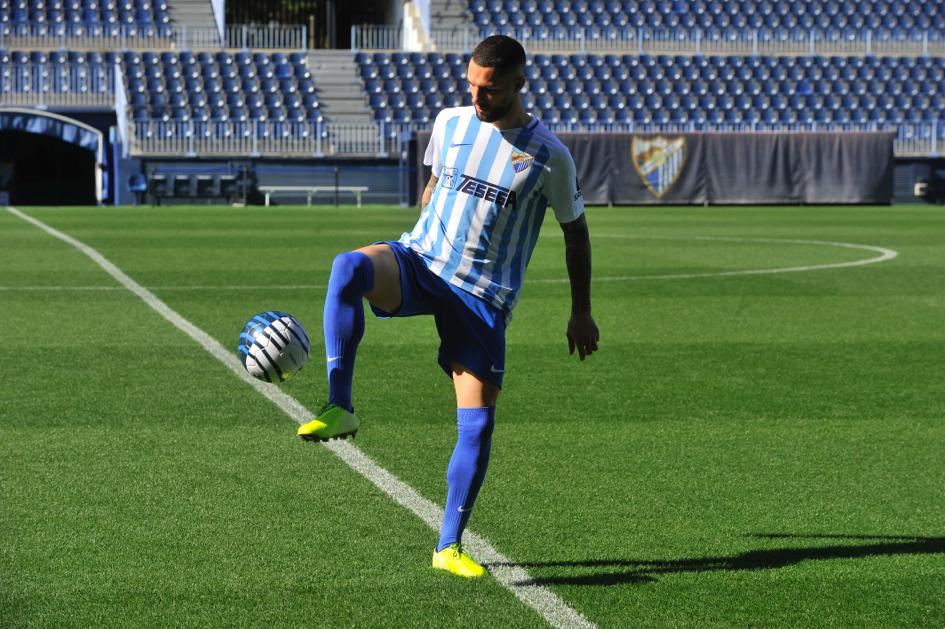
(472, 331)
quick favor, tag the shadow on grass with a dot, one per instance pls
(630, 571)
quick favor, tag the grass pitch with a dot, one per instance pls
(759, 449)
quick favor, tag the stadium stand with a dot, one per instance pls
(883, 19)
(78, 18)
(220, 86)
(584, 89)
(241, 96)
(57, 77)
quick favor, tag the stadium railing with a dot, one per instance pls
(244, 37)
(383, 37)
(60, 86)
(257, 138)
(379, 139)
(669, 41)
(911, 139)
(130, 37)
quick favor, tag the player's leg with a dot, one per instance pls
(475, 413)
(370, 272)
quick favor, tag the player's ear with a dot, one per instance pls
(519, 83)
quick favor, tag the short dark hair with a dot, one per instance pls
(500, 52)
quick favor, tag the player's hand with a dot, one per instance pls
(583, 335)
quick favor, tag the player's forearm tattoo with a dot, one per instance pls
(577, 254)
(428, 192)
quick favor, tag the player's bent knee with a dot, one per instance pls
(351, 269)
(386, 291)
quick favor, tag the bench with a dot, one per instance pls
(311, 191)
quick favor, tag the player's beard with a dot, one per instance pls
(496, 113)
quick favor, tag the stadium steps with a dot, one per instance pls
(192, 13)
(340, 90)
(449, 14)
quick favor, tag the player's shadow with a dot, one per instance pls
(630, 571)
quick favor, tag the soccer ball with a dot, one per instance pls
(273, 346)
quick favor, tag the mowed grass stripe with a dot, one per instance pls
(757, 451)
(547, 604)
(142, 485)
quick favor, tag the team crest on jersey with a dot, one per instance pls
(521, 160)
(449, 178)
(659, 161)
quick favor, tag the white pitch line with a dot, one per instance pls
(513, 577)
(885, 254)
(245, 287)
(58, 288)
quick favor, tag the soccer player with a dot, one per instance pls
(495, 170)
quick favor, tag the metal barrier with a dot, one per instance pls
(64, 100)
(669, 41)
(244, 36)
(52, 85)
(48, 38)
(319, 139)
(377, 37)
(912, 139)
(256, 138)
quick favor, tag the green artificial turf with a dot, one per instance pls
(760, 449)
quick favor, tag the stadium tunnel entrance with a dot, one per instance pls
(49, 159)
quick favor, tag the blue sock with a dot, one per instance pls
(352, 275)
(466, 470)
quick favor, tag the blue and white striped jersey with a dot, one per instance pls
(483, 219)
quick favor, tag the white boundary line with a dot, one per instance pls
(245, 287)
(885, 254)
(513, 577)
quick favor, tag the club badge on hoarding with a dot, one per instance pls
(659, 161)
(521, 161)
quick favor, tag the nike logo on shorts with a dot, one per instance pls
(494, 370)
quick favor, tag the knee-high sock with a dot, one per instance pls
(352, 275)
(466, 470)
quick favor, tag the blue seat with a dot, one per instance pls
(138, 185)
(679, 116)
(587, 116)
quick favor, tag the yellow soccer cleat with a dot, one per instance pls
(454, 559)
(332, 422)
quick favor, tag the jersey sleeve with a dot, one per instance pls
(434, 155)
(562, 188)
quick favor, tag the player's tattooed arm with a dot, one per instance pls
(583, 334)
(428, 192)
